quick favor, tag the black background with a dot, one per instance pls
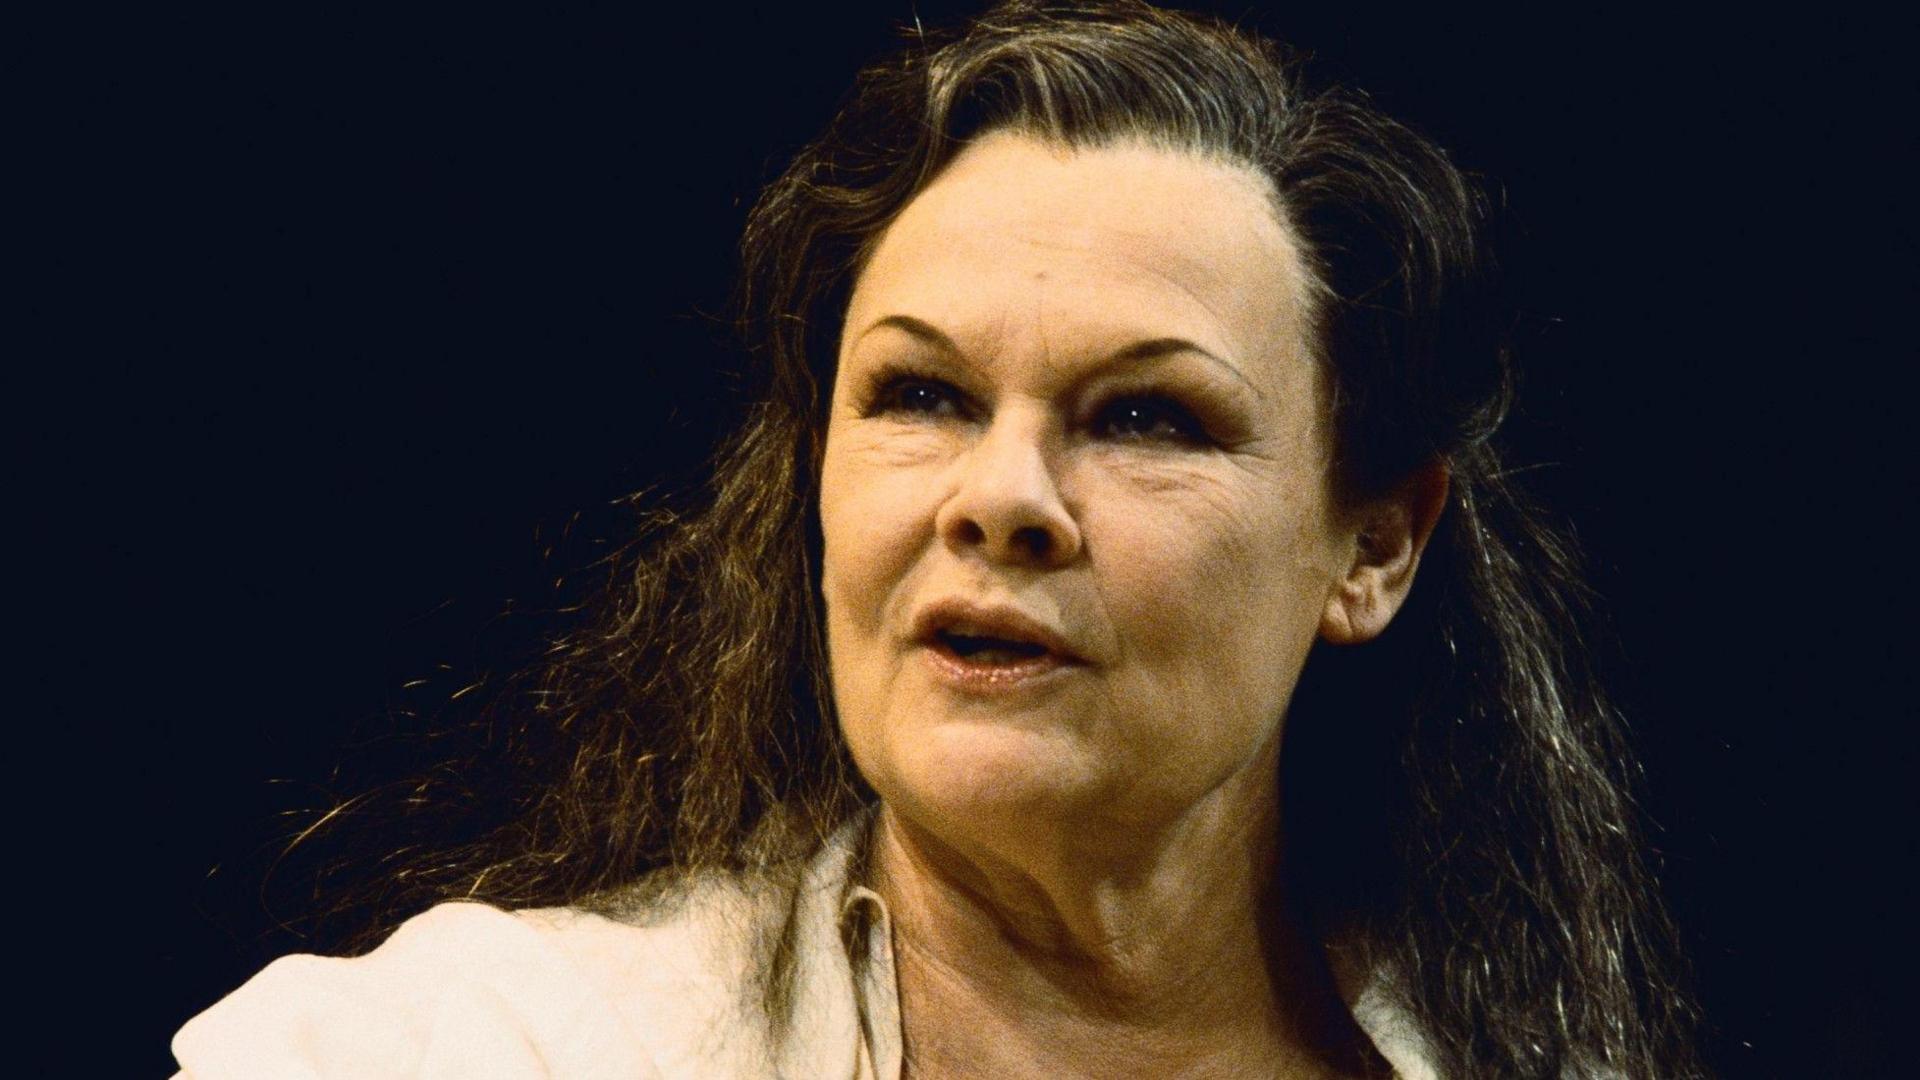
(342, 319)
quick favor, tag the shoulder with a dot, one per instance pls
(462, 990)
(673, 979)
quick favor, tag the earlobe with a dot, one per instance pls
(1389, 536)
(1348, 614)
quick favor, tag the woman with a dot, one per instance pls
(1046, 690)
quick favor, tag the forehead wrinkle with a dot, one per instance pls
(1042, 337)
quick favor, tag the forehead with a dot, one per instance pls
(1128, 242)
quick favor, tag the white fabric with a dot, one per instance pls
(471, 992)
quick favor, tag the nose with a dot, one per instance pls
(1006, 506)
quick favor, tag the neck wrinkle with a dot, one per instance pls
(1221, 970)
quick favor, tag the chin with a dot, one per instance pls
(991, 764)
(996, 784)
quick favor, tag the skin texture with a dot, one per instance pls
(1077, 385)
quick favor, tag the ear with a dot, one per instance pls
(1389, 534)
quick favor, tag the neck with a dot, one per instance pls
(1079, 955)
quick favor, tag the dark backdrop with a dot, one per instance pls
(351, 327)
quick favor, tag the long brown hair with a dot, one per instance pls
(1494, 866)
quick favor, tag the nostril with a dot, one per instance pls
(1035, 540)
(970, 532)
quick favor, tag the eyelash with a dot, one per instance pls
(903, 392)
(893, 388)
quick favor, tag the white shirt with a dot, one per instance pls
(469, 991)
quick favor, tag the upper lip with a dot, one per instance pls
(984, 620)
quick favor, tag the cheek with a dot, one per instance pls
(875, 517)
(1217, 579)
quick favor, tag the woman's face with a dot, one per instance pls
(1078, 523)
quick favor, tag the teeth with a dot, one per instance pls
(999, 656)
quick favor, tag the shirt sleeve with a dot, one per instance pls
(464, 990)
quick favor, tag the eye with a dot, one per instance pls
(917, 396)
(1149, 419)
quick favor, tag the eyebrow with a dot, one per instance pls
(1138, 352)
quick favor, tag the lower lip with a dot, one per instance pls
(985, 678)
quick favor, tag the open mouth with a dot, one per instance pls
(988, 650)
(980, 649)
